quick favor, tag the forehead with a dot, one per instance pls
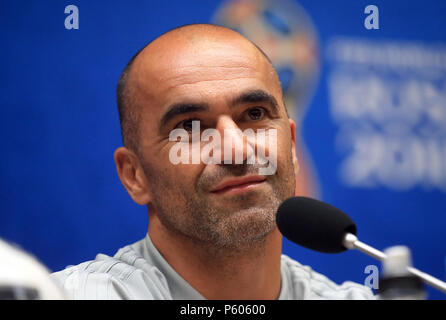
(198, 69)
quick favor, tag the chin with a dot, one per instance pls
(249, 225)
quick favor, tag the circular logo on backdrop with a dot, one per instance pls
(286, 33)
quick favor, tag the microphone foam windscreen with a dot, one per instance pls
(314, 224)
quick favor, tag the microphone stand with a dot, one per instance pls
(351, 242)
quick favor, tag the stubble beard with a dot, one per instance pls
(221, 228)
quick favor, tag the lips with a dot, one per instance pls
(238, 184)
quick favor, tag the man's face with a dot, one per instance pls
(225, 85)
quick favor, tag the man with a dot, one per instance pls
(212, 231)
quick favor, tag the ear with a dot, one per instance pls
(293, 146)
(132, 175)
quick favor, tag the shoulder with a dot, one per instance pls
(305, 283)
(125, 276)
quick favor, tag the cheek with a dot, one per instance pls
(181, 177)
(284, 149)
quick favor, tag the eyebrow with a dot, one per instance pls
(252, 96)
(182, 108)
(257, 96)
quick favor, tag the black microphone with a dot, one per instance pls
(314, 224)
(319, 226)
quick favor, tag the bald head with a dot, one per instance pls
(169, 51)
(215, 78)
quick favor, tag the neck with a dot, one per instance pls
(245, 273)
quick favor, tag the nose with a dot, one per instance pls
(236, 144)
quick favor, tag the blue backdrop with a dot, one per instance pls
(374, 128)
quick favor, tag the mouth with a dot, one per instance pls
(238, 185)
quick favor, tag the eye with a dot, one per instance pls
(256, 113)
(186, 124)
